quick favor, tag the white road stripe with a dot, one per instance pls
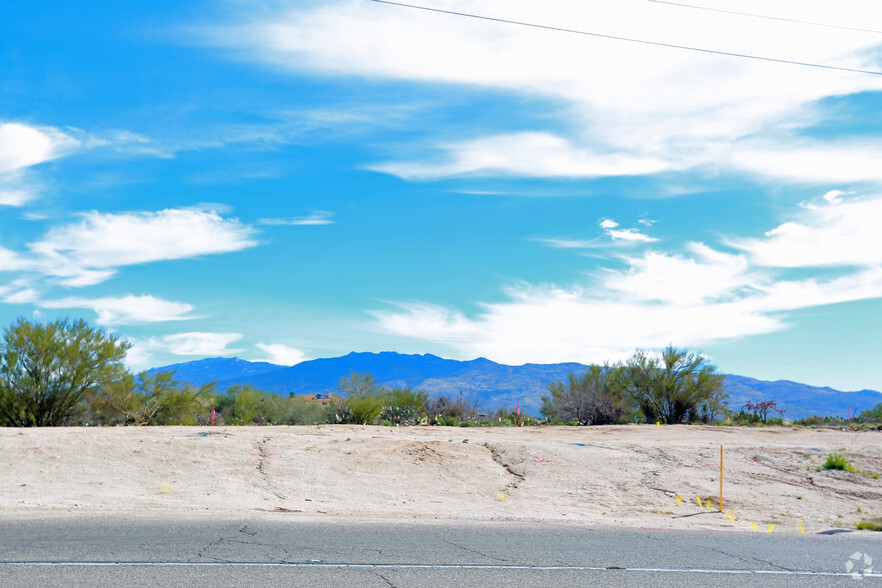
(321, 564)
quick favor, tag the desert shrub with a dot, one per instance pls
(360, 400)
(821, 421)
(458, 409)
(245, 405)
(154, 399)
(298, 411)
(743, 418)
(594, 398)
(870, 525)
(446, 421)
(836, 461)
(403, 405)
(873, 415)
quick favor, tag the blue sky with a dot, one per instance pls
(292, 180)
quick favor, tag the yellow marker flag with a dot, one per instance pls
(166, 489)
(501, 497)
(657, 423)
(729, 514)
(771, 527)
(679, 499)
(708, 503)
(753, 527)
(801, 528)
(698, 498)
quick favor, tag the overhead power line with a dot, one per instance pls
(633, 40)
(767, 17)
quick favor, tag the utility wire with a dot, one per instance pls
(778, 18)
(632, 40)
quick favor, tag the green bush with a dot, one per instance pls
(446, 421)
(361, 401)
(836, 461)
(872, 525)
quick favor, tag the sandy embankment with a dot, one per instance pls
(622, 475)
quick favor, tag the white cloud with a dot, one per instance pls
(198, 343)
(88, 252)
(617, 238)
(835, 233)
(142, 353)
(706, 275)
(629, 108)
(10, 260)
(127, 310)
(139, 356)
(631, 235)
(526, 154)
(319, 217)
(553, 325)
(692, 298)
(856, 160)
(22, 296)
(23, 146)
(571, 243)
(627, 235)
(15, 197)
(281, 354)
(834, 196)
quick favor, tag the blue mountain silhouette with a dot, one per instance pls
(491, 385)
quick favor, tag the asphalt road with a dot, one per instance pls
(290, 551)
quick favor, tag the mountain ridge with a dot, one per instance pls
(490, 384)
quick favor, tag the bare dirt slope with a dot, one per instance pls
(641, 476)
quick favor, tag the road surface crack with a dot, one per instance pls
(475, 551)
(385, 579)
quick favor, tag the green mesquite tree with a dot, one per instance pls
(47, 368)
(594, 398)
(674, 386)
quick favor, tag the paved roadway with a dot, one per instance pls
(289, 551)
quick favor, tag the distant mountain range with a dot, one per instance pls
(490, 384)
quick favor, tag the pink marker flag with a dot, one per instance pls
(212, 417)
(519, 410)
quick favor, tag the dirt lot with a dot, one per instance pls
(638, 476)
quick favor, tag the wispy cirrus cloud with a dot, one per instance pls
(317, 218)
(695, 297)
(835, 233)
(628, 108)
(208, 344)
(23, 146)
(126, 310)
(616, 237)
(199, 343)
(533, 154)
(89, 252)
